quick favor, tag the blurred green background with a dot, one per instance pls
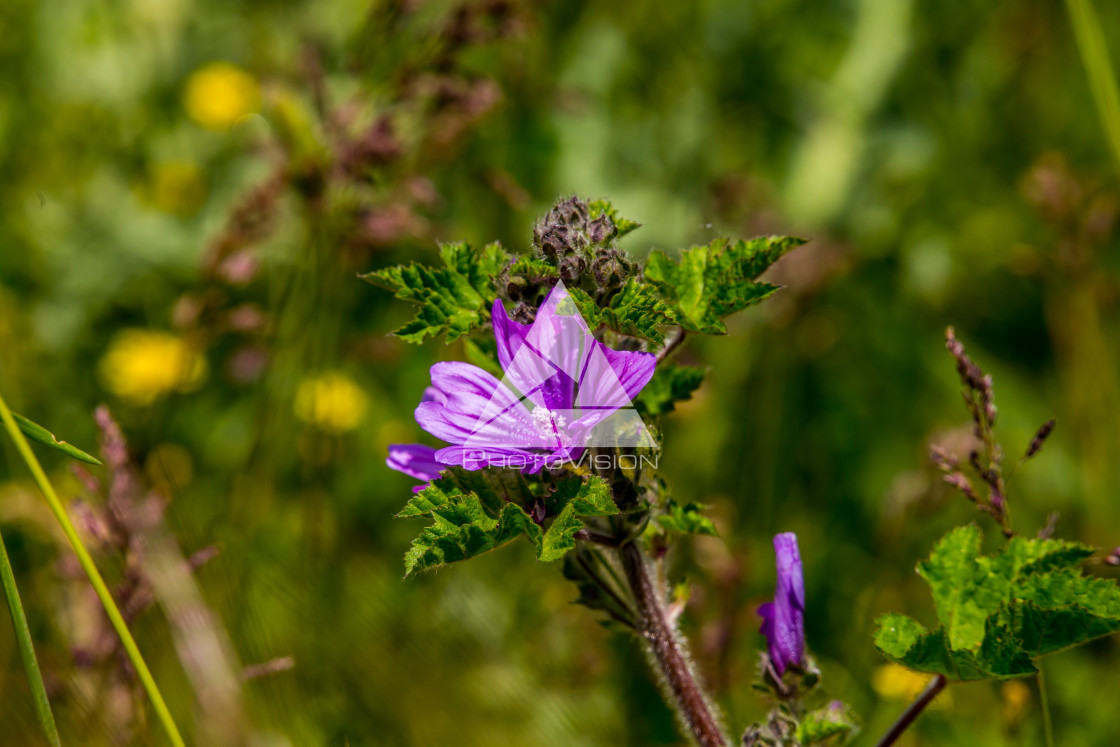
(190, 189)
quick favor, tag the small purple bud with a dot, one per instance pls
(601, 230)
(572, 268)
(997, 502)
(783, 620)
(942, 458)
(963, 484)
(1040, 438)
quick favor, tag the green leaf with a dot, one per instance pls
(622, 225)
(968, 588)
(453, 299)
(469, 523)
(462, 529)
(907, 642)
(686, 519)
(997, 613)
(571, 500)
(36, 432)
(1063, 609)
(494, 488)
(710, 282)
(636, 310)
(533, 268)
(671, 383)
(824, 724)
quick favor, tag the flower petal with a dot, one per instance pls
(633, 369)
(414, 460)
(474, 458)
(784, 619)
(509, 335)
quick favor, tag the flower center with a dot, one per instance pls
(550, 424)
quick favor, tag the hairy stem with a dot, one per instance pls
(935, 686)
(667, 650)
(95, 579)
(27, 649)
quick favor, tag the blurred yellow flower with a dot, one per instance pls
(1016, 696)
(332, 402)
(219, 94)
(177, 187)
(143, 364)
(899, 683)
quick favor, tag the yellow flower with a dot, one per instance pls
(143, 364)
(899, 683)
(332, 402)
(1016, 696)
(219, 94)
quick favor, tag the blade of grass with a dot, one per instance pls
(84, 559)
(27, 649)
(1102, 80)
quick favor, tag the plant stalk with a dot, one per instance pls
(1102, 80)
(98, 583)
(667, 649)
(27, 649)
(1047, 723)
(935, 686)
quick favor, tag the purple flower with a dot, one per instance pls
(561, 392)
(415, 460)
(783, 620)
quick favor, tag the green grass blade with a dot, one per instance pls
(36, 432)
(1102, 79)
(27, 649)
(98, 583)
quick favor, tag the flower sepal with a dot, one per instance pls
(801, 713)
(797, 681)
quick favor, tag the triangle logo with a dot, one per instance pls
(561, 390)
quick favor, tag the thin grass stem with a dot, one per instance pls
(27, 649)
(98, 583)
(1102, 79)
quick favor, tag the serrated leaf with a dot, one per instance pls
(907, 642)
(462, 529)
(671, 383)
(686, 519)
(636, 310)
(533, 268)
(1062, 609)
(494, 488)
(968, 587)
(622, 225)
(467, 524)
(453, 299)
(38, 433)
(710, 282)
(824, 724)
(999, 612)
(571, 500)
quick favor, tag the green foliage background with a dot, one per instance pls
(912, 143)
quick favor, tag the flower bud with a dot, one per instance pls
(610, 269)
(571, 268)
(601, 230)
